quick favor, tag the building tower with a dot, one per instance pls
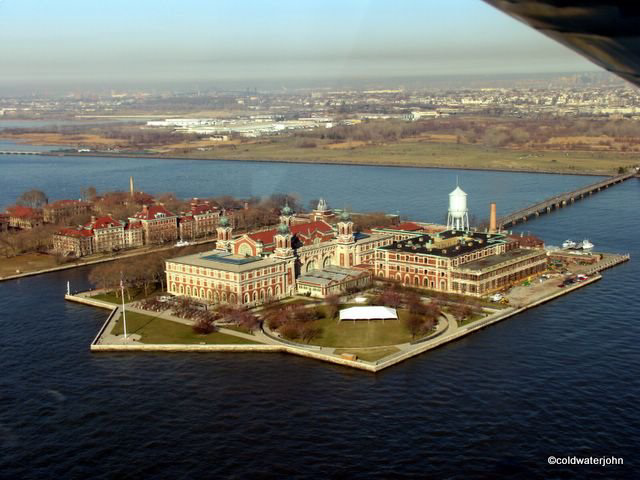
(283, 240)
(345, 250)
(286, 215)
(284, 250)
(493, 218)
(131, 189)
(345, 228)
(224, 232)
(322, 211)
(458, 217)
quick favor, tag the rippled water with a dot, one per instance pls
(420, 193)
(561, 379)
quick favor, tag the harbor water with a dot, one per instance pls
(558, 380)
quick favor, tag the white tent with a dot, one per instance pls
(368, 313)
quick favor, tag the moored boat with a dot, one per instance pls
(586, 245)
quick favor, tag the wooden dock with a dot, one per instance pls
(559, 201)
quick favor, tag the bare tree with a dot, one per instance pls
(33, 198)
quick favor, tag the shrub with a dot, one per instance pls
(290, 330)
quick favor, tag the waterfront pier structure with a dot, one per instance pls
(561, 200)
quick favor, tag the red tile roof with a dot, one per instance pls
(133, 225)
(23, 212)
(302, 230)
(407, 227)
(74, 232)
(527, 240)
(202, 208)
(152, 212)
(103, 222)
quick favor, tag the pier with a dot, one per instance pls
(561, 200)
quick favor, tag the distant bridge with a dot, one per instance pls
(20, 153)
(561, 200)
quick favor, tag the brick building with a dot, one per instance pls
(204, 218)
(470, 263)
(73, 241)
(133, 236)
(24, 217)
(108, 234)
(62, 209)
(265, 265)
(159, 225)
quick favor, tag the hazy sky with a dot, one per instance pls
(79, 41)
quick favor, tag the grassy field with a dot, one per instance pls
(28, 262)
(136, 295)
(428, 151)
(427, 154)
(368, 354)
(362, 334)
(160, 331)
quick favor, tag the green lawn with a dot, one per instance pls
(362, 333)
(160, 331)
(136, 295)
(368, 354)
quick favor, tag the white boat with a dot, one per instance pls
(586, 245)
(569, 244)
(182, 243)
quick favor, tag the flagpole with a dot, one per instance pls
(124, 316)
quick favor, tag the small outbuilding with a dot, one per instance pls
(368, 313)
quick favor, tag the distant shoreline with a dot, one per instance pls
(326, 162)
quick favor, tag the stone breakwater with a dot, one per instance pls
(102, 344)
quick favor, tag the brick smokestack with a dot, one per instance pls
(493, 220)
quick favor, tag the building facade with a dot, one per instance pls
(73, 241)
(159, 225)
(314, 246)
(24, 218)
(221, 277)
(464, 262)
(108, 234)
(63, 209)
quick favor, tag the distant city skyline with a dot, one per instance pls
(70, 43)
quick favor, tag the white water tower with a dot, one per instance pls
(458, 218)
